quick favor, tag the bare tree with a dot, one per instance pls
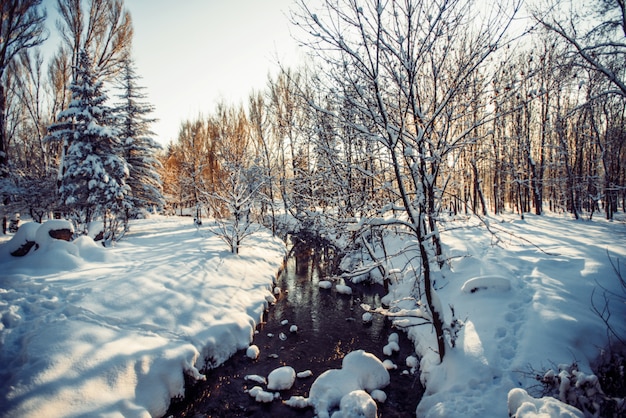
(22, 27)
(266, 151)
(596, 33)
(407, 63)
(102, 28)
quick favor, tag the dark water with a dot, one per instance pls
(329, 327)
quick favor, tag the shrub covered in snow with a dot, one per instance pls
(580, 390)
(522, 405)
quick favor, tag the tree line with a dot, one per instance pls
(66, 146)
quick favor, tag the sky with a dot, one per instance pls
(192, 54)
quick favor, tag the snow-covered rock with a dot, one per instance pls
(379, 396)
(255, 378)
(54, 229)
(23, 241)
(261, 395)
(325, 284)
(281, 378)
(343, 289)
(391, 348)
(360, 371)
(299, 402)
(355, 404)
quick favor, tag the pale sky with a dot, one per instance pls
(192, 54)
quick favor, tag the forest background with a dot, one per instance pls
(416, 107)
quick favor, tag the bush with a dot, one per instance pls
(583, 391)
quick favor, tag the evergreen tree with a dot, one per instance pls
(93, 174)
(139, 149)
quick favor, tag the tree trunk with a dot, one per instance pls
(430, 300)
(4, 145)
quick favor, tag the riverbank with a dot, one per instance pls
(95, 331)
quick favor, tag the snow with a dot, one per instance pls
(357, 403)
(379, 396)
(360, 371)
(281, 378)
(253, 352)
(325, 284)
(88, 330)
(343, 289)
(522, 405)
(486, 283)
(412, 362)
(525, 303)
(26, 233)
(298, 402)
(256, 378)
(261, 395)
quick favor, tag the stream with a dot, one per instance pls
(329, 327)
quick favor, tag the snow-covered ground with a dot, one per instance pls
(525, 298)
(109, 332)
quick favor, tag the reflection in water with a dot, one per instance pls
(322, 312)
(329, 327)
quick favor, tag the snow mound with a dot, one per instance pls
(355, 404)
(281, 378)
(390, 348)
(389, 365)
(379, 396)
(261, 395)
(360, 371)
(343, 289)
(486, 283)
(325, 284)
(299, 402)
(253, 352)
(522, 405)
(255, 378)
(90, 251)
(26, 233)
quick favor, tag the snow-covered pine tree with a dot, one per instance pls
(139, 149)
(92, 178)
